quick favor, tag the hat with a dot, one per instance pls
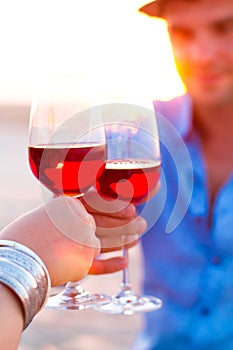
(154, 8)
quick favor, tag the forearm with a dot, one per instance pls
(11, 318)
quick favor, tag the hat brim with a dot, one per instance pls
(153, 9)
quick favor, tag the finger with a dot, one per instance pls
(106, 226)
(110, 265)
(107, 249)
(114, 208)
(111, 237)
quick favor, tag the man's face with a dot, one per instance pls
(201, 34)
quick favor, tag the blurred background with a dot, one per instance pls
(114, 49)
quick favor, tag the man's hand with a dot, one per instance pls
(117, 225)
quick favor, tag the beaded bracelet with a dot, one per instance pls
(26, 275)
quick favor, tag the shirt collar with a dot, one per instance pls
(179, 112)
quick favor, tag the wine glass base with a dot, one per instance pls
(74, 297)
(130, 304)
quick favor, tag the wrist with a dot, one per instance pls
(25, 274)
(11, 306)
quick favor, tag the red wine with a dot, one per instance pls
(128, 180)
(67, 169)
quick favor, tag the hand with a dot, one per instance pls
(54, 232)
(116, 222)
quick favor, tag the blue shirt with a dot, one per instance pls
(188, 251)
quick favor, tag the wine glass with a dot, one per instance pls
(67, 149)
(131, 174)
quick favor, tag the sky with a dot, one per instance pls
(105, 44)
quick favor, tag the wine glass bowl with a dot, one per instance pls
(127, 176)
(65, 146)
(63, 168)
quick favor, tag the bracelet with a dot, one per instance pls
(26, 275)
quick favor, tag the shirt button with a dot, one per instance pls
(216, 260)
(205, 311)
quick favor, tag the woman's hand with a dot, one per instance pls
(62, 233)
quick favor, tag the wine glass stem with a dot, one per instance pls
(74, 288)
(125, 285)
